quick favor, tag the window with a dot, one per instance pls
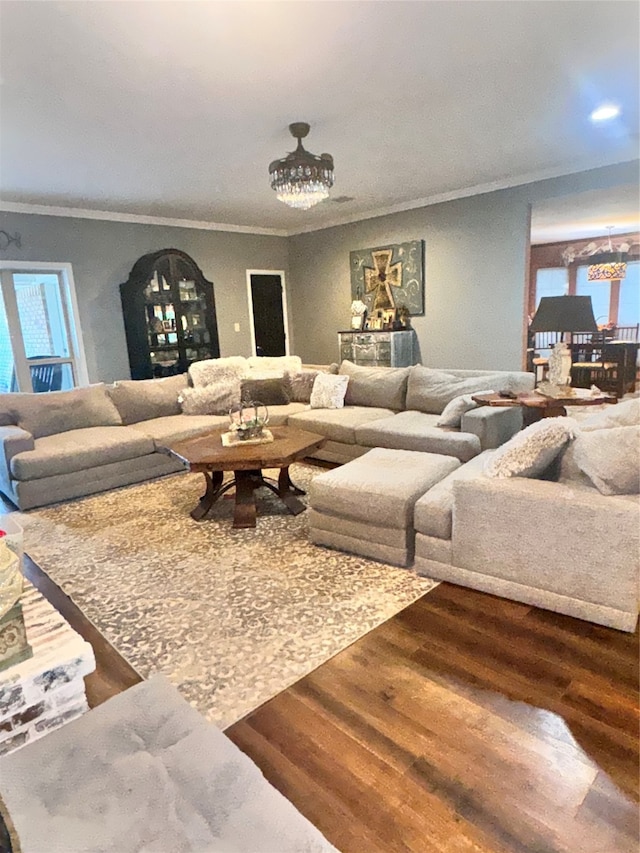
(551, 281)
(40, 342)
(629, 300)
(600, 293)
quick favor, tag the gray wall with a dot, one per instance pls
(102, 254)
(475, 272)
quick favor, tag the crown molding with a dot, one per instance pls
(401, 207)
(467, 192)
(136, 218)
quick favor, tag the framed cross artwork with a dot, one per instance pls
(389, 278)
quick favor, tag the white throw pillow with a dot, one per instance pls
(328, 391)
(622, 414)
(610, 458)
(213, 399)
(531, 451)
(454, 410)
(218, 369)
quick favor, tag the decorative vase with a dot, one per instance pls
(560, 365)
(249, 419)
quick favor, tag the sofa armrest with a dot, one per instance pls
(13, 440)
(566, 539)
(493, 426)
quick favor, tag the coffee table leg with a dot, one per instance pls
(245, 510)
(211, 495)
(287, 492)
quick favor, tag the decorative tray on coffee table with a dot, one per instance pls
(231, 439)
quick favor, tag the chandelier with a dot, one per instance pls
(606, 262)
(302, 179)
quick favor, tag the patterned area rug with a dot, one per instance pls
(231, 617)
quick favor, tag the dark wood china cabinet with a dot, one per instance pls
(169, 314)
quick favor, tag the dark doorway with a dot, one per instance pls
(268, 306)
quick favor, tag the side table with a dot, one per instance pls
(47, 690)
(536, 406)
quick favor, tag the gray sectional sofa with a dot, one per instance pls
(564, 536)
(66, 444)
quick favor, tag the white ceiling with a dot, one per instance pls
(588, 214)
(175, 109)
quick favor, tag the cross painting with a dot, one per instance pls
(389, 277)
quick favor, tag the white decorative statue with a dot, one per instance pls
(560, 365)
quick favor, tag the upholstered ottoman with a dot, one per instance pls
(366, 506)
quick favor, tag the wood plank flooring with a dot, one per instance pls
(465, 724)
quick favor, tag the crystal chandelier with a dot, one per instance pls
(302, 179)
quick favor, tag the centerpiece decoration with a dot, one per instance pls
(248, 421)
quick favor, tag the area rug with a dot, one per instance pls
(159, 779)
(231, 617)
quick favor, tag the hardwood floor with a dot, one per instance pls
(465, 723)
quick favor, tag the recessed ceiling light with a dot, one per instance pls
(605, 112)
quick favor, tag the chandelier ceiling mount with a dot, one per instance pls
(301, 179)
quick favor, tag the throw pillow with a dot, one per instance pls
(269, 392)
(328, 391)
(609, 458)
(213, 399)
(299, 385)
(384, 387)
(531, 451)
(267, 367)
(145, 399)
(454, 410)
(211, 370)
(622, 414)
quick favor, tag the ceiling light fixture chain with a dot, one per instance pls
(301, 179)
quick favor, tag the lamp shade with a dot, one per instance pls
(564, 314)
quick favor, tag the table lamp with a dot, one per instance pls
(563, 314)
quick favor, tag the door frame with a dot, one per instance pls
(69, 308)
(285, 312)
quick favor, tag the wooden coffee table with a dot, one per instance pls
(537, 406)
(207, 455)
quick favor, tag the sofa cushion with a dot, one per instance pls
(328, 391)
(147, 398)
(429, 390)
(610, 458)
(338, 424)
(79, 449)
(434, 510)
(61, 411)
(418, 431)
(375, 386)
(383, 486)
(165, 431)
(530, 452)
(626, 413)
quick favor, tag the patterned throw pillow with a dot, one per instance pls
(300, 385)
(530, 452)
(328, 391)
(270, 392)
